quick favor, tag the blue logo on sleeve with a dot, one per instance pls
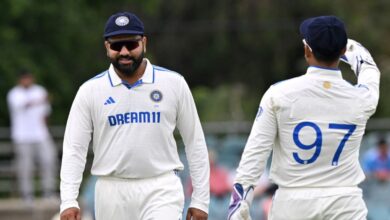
(259, 112)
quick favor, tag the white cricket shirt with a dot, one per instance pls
(132, 131)
(28, 108)
(314, 125)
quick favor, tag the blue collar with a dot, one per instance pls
(129, 86)
(330, 73)
(325, 68)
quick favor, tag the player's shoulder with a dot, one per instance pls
(39, 88)
(95, 83)
(14, 91)
(167, 77)
(165, 73)
(288, 85)
(97, 79)
(288, 82)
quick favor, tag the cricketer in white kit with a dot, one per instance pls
(313, 124)
(29, 109)
(130, 112)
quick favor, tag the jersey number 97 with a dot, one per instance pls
(317, 144)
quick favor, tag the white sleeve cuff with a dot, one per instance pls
(70, 204)
(202, 206)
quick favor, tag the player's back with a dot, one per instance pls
(321, 119)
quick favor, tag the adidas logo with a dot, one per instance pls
(110, 100)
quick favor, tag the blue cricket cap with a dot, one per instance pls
(123, 23)
(325, 35)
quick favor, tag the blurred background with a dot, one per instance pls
(229, 51)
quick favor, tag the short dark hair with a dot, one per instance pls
(327, 58)
(382, 141)
(24, 73)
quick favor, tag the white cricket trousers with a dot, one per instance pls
(27, 154)
(335, 203)
(156, 198)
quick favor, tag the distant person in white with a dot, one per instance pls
(313, 124)
(130, 111)
(29, 109)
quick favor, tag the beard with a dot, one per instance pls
(128, 69)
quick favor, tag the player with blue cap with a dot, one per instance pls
(313, 124)
(130, 112)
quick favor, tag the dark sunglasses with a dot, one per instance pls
(129, 44)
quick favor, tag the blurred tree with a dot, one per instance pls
(216, 45)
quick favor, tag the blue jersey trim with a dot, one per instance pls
(161, 68)
(100, 75)
(153, 75)
(109, 78)
(326, 68)
(130, 86)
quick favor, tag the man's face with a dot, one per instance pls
(26, 80)
(383, 149)
(126, 52)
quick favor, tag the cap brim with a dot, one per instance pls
(122, 32)
(111, 41)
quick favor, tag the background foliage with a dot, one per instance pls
(229, 51)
